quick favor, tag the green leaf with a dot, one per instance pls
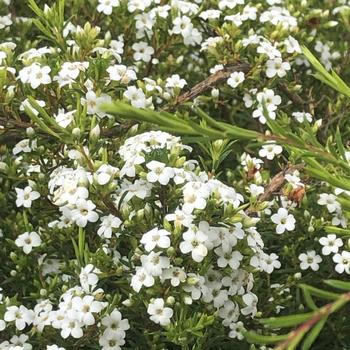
(320, 292)
(340, 144)
(338, 284)
(308, 300)
(313, 334)
(331, 79)
(253, 337)
(286, 321)
(337, 230)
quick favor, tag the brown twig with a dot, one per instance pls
(212, 81)
(293, 97)
(277, 181)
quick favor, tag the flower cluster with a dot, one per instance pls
(115, 232)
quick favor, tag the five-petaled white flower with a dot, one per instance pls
(27, 241)
(159, 313)
(193, 243)
(106, 6)
(283, 220)
(331, 244)
(330, 201)
(159, 172)
(26, 196)
(155, 238)
(309, 260)
(235, 79)
(277, 67)
(343, 262)
(270, 150)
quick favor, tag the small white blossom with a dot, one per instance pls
(156, 238)
(283, 220)
(26, 196)
(27, 241)
(159, 313)
(309, 260)
(235, 79)
(331, 244)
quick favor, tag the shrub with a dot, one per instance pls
(174, 174)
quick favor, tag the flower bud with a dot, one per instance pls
(30, 131)
(76, 132)
(297, 275)
(13, 256)
(215, 93)
(171, 252)
(187, 300)
(170, 300)
(95, 133)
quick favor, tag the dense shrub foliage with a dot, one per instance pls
(174, 174)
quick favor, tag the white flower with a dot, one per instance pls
(88, 277)
(331, 244)
(143, 52)
(112, 340)
(255, 190)
(231, 258)
(270, 262)
(35, 75)
(235, 79)
(329, 200)
(27, 241)
(105, 173)
(93, 103)
(20, 342)
(194, 197)
(283, 220)
(268, 49)
(84, 308)
(175, 82)
(136, 97)
(182, 25)
(155, 238)
(71, 327)
(121, 73)
(84, 212)
(309, 260)
(270, 150)
(21, 315)
(277, 67)
(302, 116)
(141, 278)
(292, 45)
(231, 4)
(54, 347)
(343, 262)
(237, 330)
(114, 322)
(141, 5)
(154, 263)
(108, 223)
(159, 313)
(159, 172)
(5, 21)
(251, 300)
(63, 118)
(26, 196)
(176, 275)
(106, 6)
(193, 243)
